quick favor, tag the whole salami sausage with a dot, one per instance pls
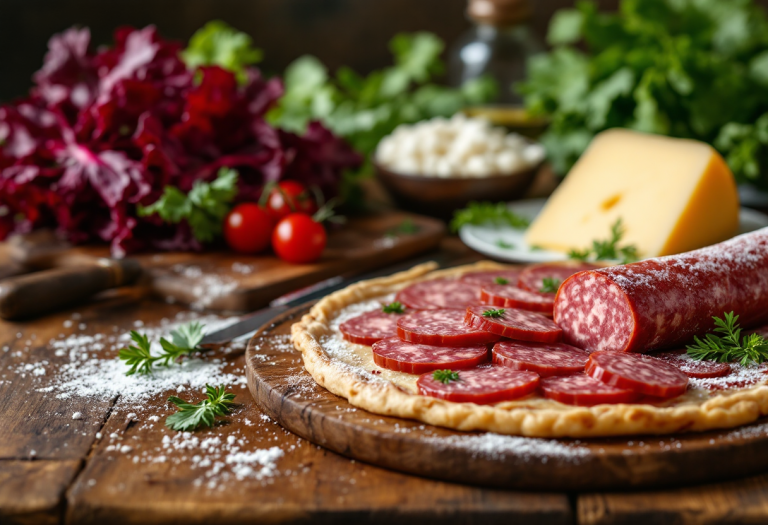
(663, 302)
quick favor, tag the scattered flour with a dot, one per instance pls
(206, 287)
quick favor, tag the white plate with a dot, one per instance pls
(485, 239)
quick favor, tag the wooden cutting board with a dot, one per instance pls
(228, 281)
(287, 393)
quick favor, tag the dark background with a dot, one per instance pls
(339, 32)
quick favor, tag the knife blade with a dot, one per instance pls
(248, 325)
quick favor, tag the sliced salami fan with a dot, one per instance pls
(441, 328)
(483, 385)
(582, 390)
(491, 277)
(546, 359)
(412, 358)
(640, 373)
(510, 296)
(370, 327)
(532, 278)
(439, 293)
(513, 323)
(693, 368)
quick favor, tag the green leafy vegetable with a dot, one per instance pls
(608, 250)
(501, 280)
(445, 376)
(219, 44)
(730, 346)
(191, 416)
(504, 245)
(549, 285)
(406, 227)
(204, 207)
(395, 307)
(139, 358)
(494, 313)
(487, 213)
(364, 109)
(684, 68)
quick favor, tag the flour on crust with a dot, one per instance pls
(531, 416)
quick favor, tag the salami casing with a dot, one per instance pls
(510, 296)
(443, 327)
(484, 385)
(370, 327)
(513, 323)
(439, 293)
(402, 356)
(546, 359)
(664, 302)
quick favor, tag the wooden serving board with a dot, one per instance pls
(287, 393)
(228, 281)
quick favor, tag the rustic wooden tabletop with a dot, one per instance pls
(80, 443)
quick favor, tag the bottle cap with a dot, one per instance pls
(499, 13)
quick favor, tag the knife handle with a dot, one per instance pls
(49, 290)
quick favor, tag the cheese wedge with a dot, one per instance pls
(672, 195)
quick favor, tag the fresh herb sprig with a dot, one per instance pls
(445, 376)
(193, 415)
(730, 346)
(395, 307)
(608, 249)
(504, 245)
(501, 280)
(204, 207)
(494, 313)
(549, 285)
(488, 213)
(184, 340)
(406, 227)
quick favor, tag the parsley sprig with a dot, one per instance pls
(487, 212)
(501, 280)
(395, 307)
(494, 313)
(445, 376)
(193, 415)
(730, 346)
(608, 249)
(184, 340)
(549, 285)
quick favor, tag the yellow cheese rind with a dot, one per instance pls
(672, 195)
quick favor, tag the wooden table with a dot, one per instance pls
(54, 468)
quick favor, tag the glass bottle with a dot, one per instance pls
(498, 44)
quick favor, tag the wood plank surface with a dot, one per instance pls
(32, 491)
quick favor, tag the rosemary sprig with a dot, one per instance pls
(608, 249)
(193, 415)
(549, 285)
(730, 346)
(445, 376)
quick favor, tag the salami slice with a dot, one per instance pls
(546, 359)
(370, 327)
(513, 323)
(439, 293)
(663, 302)
(441, 328)
(491, 277)
(640, 373)
(693, 368)
(510, 296)
(532, 278)
(412, 358)
(485, 385)
(582, 390)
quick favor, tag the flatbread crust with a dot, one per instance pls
(531, 416)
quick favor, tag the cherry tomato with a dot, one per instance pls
(248, 228)
(298, 239)
(288, 197)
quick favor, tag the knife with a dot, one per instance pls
(248, 325)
